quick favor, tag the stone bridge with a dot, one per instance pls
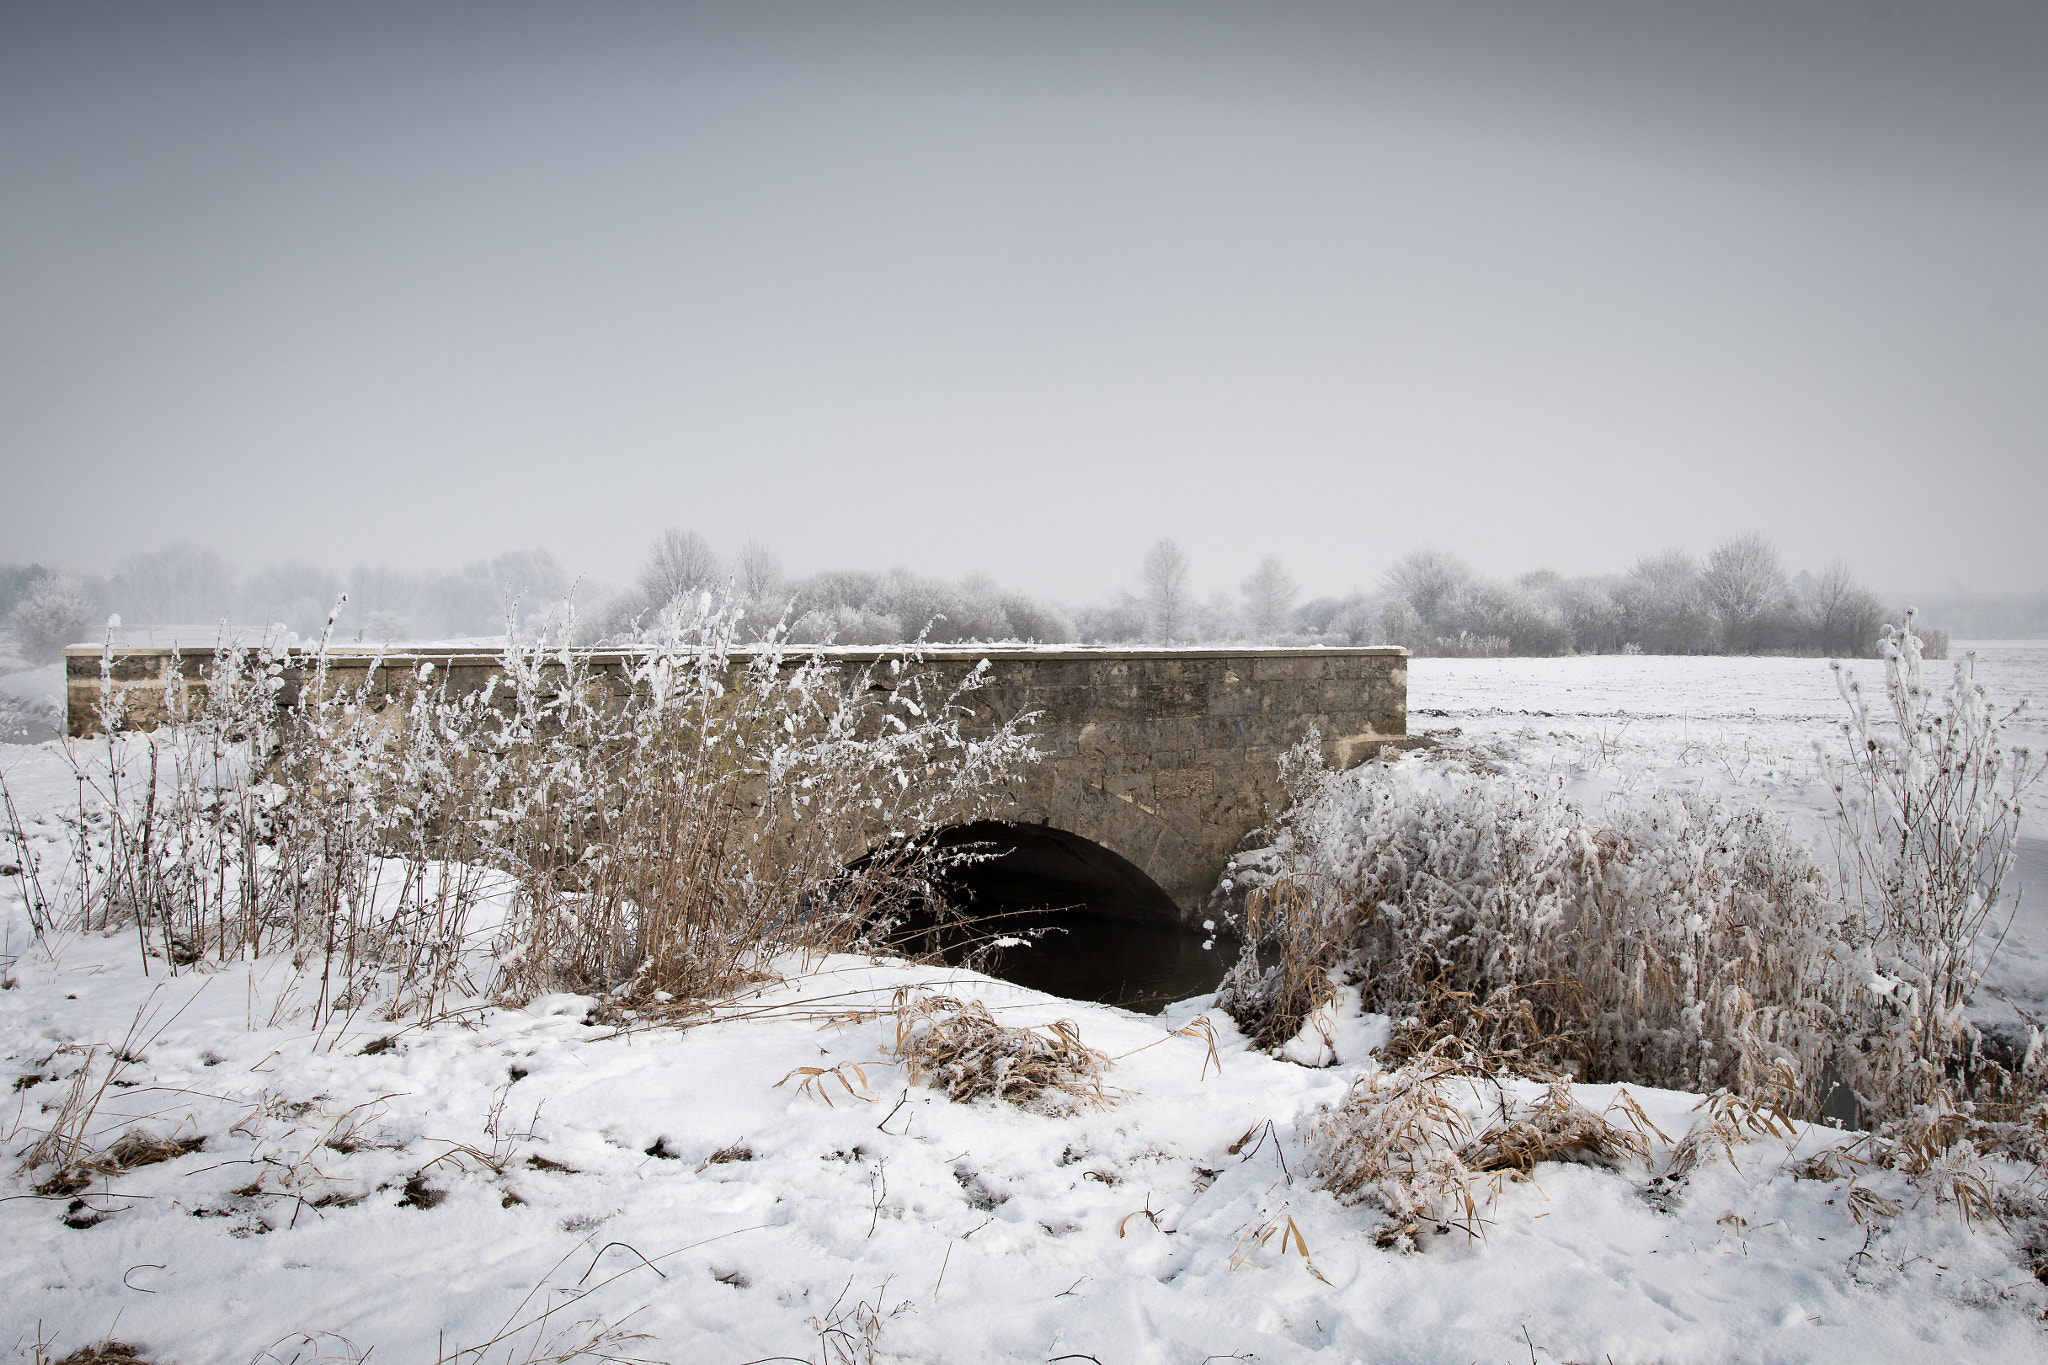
(1158, 760)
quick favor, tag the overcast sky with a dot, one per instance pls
(1021, 288)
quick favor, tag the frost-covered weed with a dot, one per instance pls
(674, 825)
(1929, 802)
(652, 828)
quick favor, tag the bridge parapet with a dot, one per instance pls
(1166, 756)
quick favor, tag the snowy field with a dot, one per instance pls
(516, 1185)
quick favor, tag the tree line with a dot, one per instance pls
(1738, 599)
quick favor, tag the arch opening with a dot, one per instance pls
(1061, 914)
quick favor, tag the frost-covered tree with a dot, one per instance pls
(679, 562)
(759, 581)
(1745, 584)
(54, 613)
(1355, 624)
(297, 594)
(1495, 618)
(1664, 609)
(1168, 602)
(16, 581)
(1120, 621)
(1842, 616)
(1269, 595)
(1214, 618)
(1429, 582)
(530, 577)
(180, 584)
(1589, 609)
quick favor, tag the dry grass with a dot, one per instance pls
(1685, 943)
(1289, 951)
(105, 1353)
(815, 1080)
(1537, 1029)
(1556, 1127)
(132, 1150)
(1256, 1238)
(1944, 1150)
(1679, 941)
(1402, 1139)
(957, 1046)
(1396, 1138)
(1727, 1120)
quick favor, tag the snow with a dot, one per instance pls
(32, 704)
(396, 1200)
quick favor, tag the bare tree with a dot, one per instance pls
(1269, 600)
(298, 594)
(1165, 581)
(1745, 584)
(181, 584)
(679, 563)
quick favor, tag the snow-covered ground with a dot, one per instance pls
(519, 1172)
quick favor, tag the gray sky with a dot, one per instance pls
(1020, 288)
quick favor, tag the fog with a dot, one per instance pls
(1018, 291)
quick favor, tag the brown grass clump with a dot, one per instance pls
(1943, 1149)
(105, 1353)
(132, 1149)
(1556, 1127)
(1677, 942)
(1536, 1029)
(959, 1047)
(814, 1083)
(1401, 1140)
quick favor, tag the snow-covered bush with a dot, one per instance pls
(52, 614)
(1686, 943)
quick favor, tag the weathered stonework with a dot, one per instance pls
(1168, 757)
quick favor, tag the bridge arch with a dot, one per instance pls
(1049, 909)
